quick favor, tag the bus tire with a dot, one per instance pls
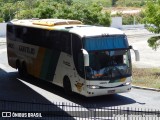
(24, 70)
(67, 86)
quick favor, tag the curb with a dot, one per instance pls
(145, 88)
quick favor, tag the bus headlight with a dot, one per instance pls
(127, 83)
(93, 86)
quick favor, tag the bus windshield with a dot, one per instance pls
(109, 57)
(109, 65)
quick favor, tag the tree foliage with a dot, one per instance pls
(152, 21)
(154, 42)
(87, 12)
(152, 16)
(8, 11)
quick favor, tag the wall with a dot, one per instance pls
(116, 22)
(139, 26)
(2, 29)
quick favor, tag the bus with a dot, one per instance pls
(85, 59)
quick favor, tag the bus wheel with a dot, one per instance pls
(24, 70)
(20, 71)
(67, 86)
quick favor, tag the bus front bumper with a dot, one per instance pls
(95, 91)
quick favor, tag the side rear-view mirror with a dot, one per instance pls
(137, 56)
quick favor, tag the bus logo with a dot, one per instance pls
(6, 114)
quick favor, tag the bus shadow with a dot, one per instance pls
(99, 101)
(16, 96)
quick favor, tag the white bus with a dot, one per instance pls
(88, 60)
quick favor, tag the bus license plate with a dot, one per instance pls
(111, 91)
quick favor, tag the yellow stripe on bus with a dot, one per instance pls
(37, 62)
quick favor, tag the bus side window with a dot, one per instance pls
(34, 36)
(19, 33)
(54, 40)
(66, 42)
(10, 32)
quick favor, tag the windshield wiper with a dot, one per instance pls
(121, 75)
(118, 70)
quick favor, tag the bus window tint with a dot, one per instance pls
(54, 40)
(19, 33)
(10, 32)
(66, 42)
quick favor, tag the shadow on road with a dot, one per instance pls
(10, 87)
(16, 96)
(98, 102)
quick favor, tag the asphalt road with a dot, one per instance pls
(30, 89)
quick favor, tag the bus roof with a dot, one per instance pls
(96, 31)
(72, 26)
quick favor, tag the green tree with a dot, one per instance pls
(154, 42)
(46, 9)
(8, 11)
(152, 21)
(87, 13)
(114, 2)
(1, 20)
(25, 9)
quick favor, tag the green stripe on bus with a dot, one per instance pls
(49, 65)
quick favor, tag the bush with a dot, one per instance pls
(130, 3)
(87, 13)
(104, 3)
(135, 4)
(128, 19)
(1, 20)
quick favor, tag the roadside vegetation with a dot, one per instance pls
(128, 3)
(147, 77)
(152, 20)
(130, 19)
(87, 12)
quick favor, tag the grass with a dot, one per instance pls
(146, 77)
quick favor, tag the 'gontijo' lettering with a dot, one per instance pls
(27, 50)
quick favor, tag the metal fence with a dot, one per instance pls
(16, 110)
